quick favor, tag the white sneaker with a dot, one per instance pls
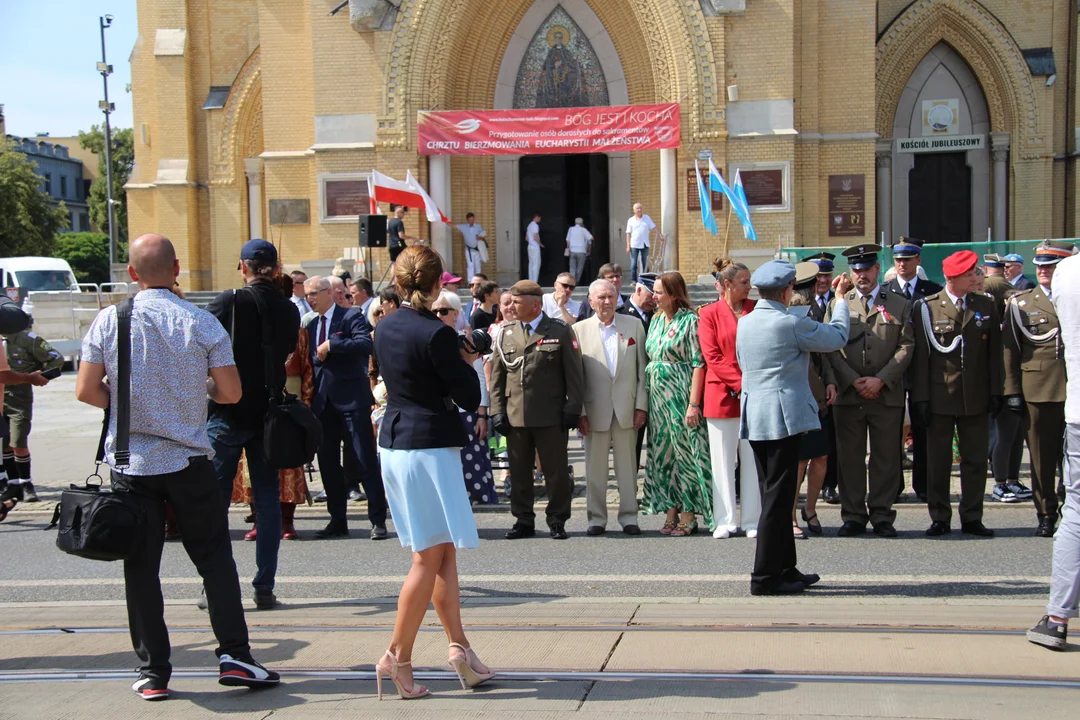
(751, 533)
(721, 533)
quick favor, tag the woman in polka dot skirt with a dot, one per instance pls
(475, 460)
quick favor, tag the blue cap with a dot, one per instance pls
(907, 247)
(823, 260)
(1013, 257)
(259, 249)
(773, 275)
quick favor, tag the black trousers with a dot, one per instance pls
(778, 477)
(1007, 446)
(354, 429)
(524, 444)
(195, 497)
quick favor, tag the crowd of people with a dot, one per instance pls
(728, 408)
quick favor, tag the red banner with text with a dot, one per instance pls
(556, 131)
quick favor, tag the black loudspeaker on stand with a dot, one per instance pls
(373, 231)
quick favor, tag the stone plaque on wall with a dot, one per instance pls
(693, 200)
(763, 187)
(847, 205)
(290, 212)
(347, 198)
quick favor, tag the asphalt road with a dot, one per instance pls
(1013, 565)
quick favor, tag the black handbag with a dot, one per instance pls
(291, 432)
(99, 522)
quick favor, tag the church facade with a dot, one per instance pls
(847, 121)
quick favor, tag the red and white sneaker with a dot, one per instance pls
(150, 688)
(236, 672)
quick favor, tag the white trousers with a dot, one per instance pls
(472, 262)
(724, 448)
(620, 443)
(534, 262)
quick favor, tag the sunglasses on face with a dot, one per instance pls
(567, 286)
(443, 312)
(348, 296)
(316, 293)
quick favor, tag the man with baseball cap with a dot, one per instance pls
(773, 347)
(958, 378)
(238, 428)
(1035, 380)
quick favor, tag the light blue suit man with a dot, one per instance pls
(773, 346)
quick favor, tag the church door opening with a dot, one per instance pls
(561, 188)
(939, 198)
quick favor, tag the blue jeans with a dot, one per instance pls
(636, 255)
(228, 442)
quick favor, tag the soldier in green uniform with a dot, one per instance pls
(1035, 378)
(870, 379)
(996, 284)
(27, 352)
(957, 376)
(537, 391)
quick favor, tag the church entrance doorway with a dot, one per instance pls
(560, 188)
(939, 198)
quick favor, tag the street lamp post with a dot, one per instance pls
(105, 69)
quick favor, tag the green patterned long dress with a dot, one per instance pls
(677, 471)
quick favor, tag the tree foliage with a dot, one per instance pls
(29, 221)
(88, 255)
(123, 160)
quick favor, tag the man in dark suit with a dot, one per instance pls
(340, 342)
(1014, 272)
(907, 256)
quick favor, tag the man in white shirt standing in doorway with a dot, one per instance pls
(578, 240)
(638, 230)
(473, 234)
(532, 236)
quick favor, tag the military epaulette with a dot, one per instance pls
(31, 335)
(557, 321)
(935, 296)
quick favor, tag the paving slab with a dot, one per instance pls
(838, 652)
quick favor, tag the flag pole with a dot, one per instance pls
(727, 228)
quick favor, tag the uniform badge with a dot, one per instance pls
(884, 313)
(1023, 303)
(574, 344)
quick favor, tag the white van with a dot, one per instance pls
(24, 275)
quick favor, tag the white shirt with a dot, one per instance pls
(578, 238)
(472, 233)
(908, 285)
(609, 336)
(551, 308)
(1065, 288)
(532, 234)
(301, 305)
(954, 298)
(639, 230)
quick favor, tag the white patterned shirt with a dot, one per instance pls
(173, 347)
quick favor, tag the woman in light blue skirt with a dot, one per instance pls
(427, 378)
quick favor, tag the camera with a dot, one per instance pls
(475, 341)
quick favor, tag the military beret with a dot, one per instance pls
(806, 275)
(773, 275)
(1051, 252)
(12, 317)
(1014, 258)
(526, 287)
(959, 263)
(907, 247)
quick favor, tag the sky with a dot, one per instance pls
(49, 50)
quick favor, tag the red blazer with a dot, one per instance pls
(716, 330)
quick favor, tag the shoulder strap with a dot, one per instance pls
(123, 382)
(267, 346)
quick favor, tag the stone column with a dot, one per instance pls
(253, 168)
(883, 158)
(669, 204)
(999, 144)
(439, 181)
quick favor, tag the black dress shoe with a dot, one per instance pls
(378, 532)
(976, 528)
(851, 529)
(594, 530)
(830, 496)
(332, 530)
(784, 588)
(520, 531)
(558, 532)
(885, 529)
(938, 528)
(632, 530)
(1046, 528)
(807, 579)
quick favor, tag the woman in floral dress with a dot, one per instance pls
(678, 480)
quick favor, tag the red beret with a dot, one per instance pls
(959, 263)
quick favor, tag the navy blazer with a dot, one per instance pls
(1024, 283)
(426, 382)
(341, 381)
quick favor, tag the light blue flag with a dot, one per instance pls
(742, 209)
(706, 203)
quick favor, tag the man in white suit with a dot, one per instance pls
(616, 405)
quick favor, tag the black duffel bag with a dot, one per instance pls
(98, 522)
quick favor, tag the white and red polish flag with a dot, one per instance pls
(410, 194)
(373, 204)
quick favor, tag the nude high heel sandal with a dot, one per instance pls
(467, 666)
(416, 691)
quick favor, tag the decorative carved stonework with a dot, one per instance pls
(883, 159)
(245, 88)
(372, 15)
